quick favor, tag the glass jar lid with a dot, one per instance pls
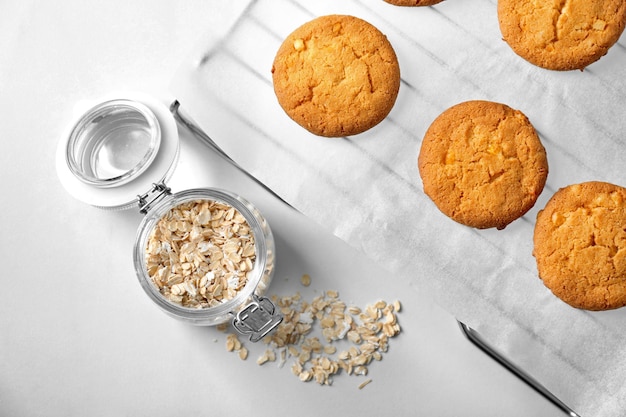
(113, 143)
(116, 149)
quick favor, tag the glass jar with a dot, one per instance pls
(119, 154)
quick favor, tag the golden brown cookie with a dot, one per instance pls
(413, 2)
(580, 245)
(482, 164)
(336, 76)
(561, 34)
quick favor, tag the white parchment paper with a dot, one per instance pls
(366, 189)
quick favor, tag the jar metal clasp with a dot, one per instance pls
(258, 318)
(157, 192)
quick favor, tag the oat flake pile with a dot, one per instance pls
(199, 254)
(362, 334)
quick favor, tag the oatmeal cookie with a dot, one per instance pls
(561, 34)
(483, 164)
(580, 245)
(336, 75)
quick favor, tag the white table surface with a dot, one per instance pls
(77, 334)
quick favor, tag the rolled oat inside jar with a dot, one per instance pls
(200, 254)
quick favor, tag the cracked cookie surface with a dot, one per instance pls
(580, 245)
(561, 34)
(483, 164)
(336, 75)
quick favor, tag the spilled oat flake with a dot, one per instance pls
(323, 337)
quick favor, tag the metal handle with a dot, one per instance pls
(202, 136)
(474, 337)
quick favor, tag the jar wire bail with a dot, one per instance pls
(257, 319)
